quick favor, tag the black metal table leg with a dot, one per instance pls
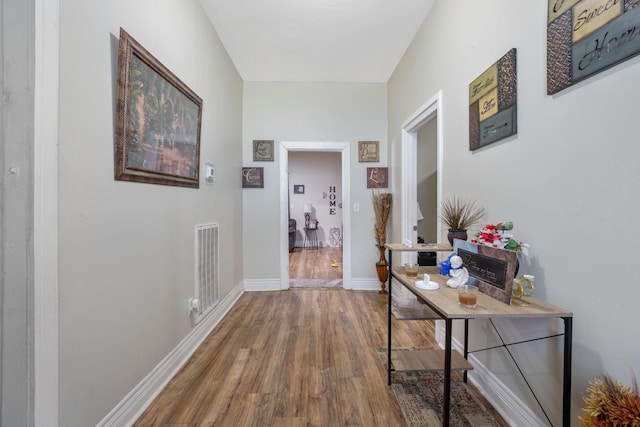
(466, 345)
(447, 373)
(566, 387)
(389, 323)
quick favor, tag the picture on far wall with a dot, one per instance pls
(586, 37)
(368, 151)
(252, 177)
(158, 119)
(298, 189)
(377, 177)
(263, 151)
(493, 102)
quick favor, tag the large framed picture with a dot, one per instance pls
(158, 119)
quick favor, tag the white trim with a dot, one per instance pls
(341, 147)
(366, 284)
(45, 208)
(253, 285)
(143, 394)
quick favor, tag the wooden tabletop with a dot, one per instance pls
(445, 300)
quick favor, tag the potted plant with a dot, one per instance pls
(458, 215)
(382, 202)
(611, 403)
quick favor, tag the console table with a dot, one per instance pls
(443, 304)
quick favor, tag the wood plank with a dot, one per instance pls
(427, 360)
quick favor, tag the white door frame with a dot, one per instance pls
(344, 149)
(431, 110)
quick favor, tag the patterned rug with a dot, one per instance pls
(315, 283)
(420, 396)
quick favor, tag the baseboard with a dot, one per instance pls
(508, 405)
(138, 399)
(257, 285)
(365, 284)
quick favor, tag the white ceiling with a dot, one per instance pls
(316, 40)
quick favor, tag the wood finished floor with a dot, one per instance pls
(302, 357)
(315, 263)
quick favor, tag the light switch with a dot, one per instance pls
(356, 207)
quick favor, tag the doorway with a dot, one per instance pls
(343, 149)
(315, 215)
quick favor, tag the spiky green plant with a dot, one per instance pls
(459, 214)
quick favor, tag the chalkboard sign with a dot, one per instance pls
(491, 269)
(487, 269)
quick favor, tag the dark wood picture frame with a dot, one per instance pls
(158, 121)
(252, 177)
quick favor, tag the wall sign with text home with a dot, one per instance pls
(492, 103)
(491, 269)
(586, 37)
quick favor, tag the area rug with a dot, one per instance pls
(420, 397)
(315, 283)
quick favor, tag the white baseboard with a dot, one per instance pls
(138, 399)
(255, 285)
(365, 284)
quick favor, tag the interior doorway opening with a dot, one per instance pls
(343, 149)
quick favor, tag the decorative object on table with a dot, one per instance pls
(459, 274)
(382, 203)
(500, 236)
(252, 178)
(445, 266)
(158, 121)
(468, 296)
(308, 208)
(611, 403)
(427, 283)
(368, 151)
(377, 177)
(490, 269)
(262, 150)
(523, 286)
(584, 39)
(411, 269)
(493, 103)
(458, 215)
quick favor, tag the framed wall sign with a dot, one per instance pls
(491, 269)
(492, 103)
(262, 151)
(158, 118)
(589, 36)
(368, 151)
(377, 177)
(252, 177)
(298, 189)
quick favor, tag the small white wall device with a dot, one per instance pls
(209, 173)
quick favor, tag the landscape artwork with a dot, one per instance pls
(493, 103)
(158, 121)
(585, 37)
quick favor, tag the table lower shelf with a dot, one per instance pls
(427, 360)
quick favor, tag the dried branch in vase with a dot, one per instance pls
(382, 202)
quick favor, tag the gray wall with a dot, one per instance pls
(127, 249)
(568, 182)
(16, 213)
(317, 112)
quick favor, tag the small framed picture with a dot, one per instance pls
(377, 177)
(368, 151)
(298, 189)
(252, 177)
(262, 150)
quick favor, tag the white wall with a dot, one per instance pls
(568, 180)
(318, 172)
(127, 249)
(325, 112)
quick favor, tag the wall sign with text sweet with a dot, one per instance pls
(492, 103)
(586, 37)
